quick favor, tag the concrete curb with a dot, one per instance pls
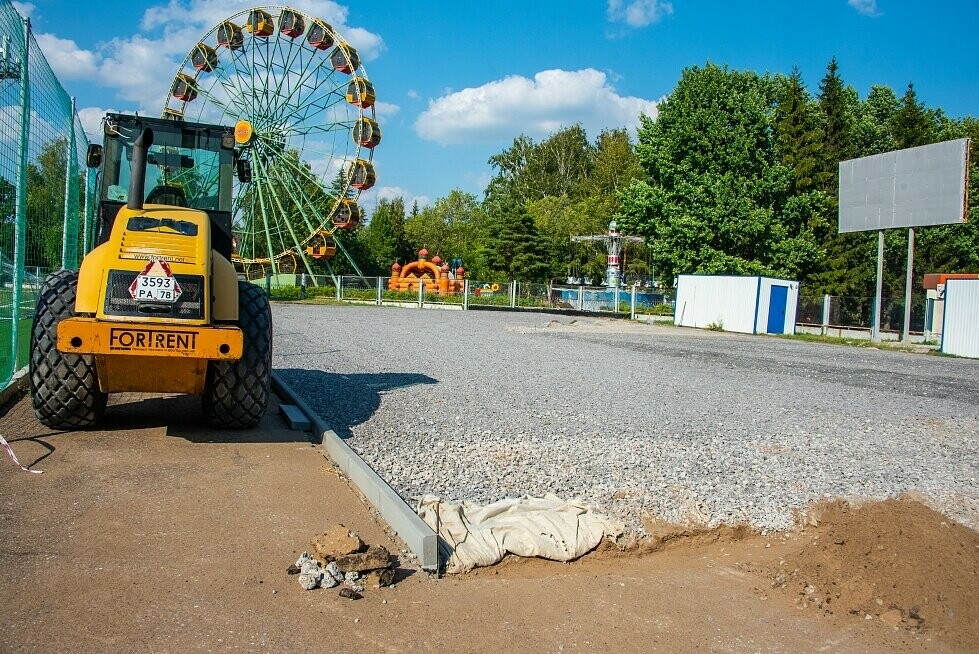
(399, 516)
(17, 385)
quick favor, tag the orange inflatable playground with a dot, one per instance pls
(434, 274)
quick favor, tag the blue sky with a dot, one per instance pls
(457, 81)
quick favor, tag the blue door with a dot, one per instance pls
(776, 309)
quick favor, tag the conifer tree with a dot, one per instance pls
(911, 125)
(837, 127)
(798, 140)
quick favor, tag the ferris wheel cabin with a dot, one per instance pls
(344, 58)
(348, 214)
(367, 132)
(320, 35)
(291, 23)
(260, 23)
(230, 35)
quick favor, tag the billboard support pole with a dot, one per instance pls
(875, 333)
(906, 334)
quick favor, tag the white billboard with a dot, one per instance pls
(915, 187)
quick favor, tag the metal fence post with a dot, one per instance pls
(581, 298)
(380, 291)
(513, 294)
(632, 303)
(339, 288)
(20, 223)
(302, 287)
(825, 327)
(616, 299)
(87, 227)
(421, 292)
(69, 230)
(465, 294)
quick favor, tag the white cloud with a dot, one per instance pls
(25, 9)
(865, 7)
(138, 69)
(385, 109)
(67, 60)
(499, 110)
(413, 94)
(394, 192)
(202, 15)
(639, 13)
(91, 118)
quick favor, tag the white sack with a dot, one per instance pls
(473, 536)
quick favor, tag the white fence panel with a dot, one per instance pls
(960, 333)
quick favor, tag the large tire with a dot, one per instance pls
(236, 393)
(64, 387)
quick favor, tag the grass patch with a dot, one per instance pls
(853, 342)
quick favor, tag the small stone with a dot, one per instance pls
(375, 558)
(379, 578)
(334, 572)
(293, 569)
(303, 559)
(351, 577)
(335, 542)
(892, 618)
(310, 581)
(868, 617)
(310, 567)
(350, 594)
(328, 581)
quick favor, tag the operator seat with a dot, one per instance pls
(166, 194)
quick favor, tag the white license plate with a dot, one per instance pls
(156, 288)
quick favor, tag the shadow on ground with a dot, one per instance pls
(344, 401)
(179, 416)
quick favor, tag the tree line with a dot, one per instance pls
(738, 174)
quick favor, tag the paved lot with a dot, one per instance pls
(682, 424)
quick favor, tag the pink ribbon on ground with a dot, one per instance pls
(13, 457)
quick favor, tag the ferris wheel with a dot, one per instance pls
(303, 111)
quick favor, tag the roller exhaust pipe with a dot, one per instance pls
(137, 172)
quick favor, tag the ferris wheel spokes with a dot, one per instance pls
(306, 107)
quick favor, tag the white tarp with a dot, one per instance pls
(473, 536)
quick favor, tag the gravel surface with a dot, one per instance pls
(640, 420)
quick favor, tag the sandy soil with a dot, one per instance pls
(154, 535)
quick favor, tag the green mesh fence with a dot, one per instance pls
(45, 190)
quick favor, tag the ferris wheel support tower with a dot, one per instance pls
(614, 242)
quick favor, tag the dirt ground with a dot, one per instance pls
(155, 535)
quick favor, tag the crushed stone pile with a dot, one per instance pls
(339, 557)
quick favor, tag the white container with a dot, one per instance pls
(960, 329)
(749, 305)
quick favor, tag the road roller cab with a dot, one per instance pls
(157, 305)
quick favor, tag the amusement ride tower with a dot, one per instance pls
(614, 242)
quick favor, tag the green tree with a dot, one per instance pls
(837, 126)
(384, 237)
(717, 200)
(515, 247)
(871, 130)
(46, 206)
(798, 136)
(558, 164)
(8, 208)
(614, 165)
(508, 180)
(911, 124)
